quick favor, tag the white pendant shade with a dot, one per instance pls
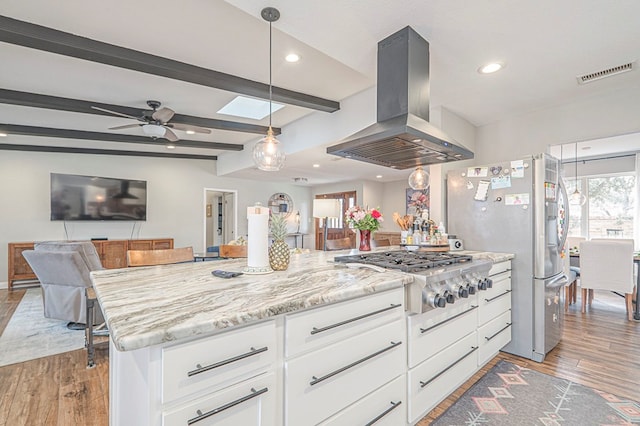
(419, 178)
(577, 198)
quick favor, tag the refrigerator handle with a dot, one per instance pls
(565, 224)
(560, 281)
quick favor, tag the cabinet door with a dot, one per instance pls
(163, 244)
(249, 403)
(141, 245)
(113, 254)
(19, 269)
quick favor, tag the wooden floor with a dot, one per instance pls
(600, 349)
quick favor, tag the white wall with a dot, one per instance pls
(175, 197)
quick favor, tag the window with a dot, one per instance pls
(609, 210)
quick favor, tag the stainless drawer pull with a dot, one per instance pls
(500, 295)
(202, 416)
(316, 330)
(317, 380)
(450, 366)
(394, 405)
(501, 272)
(499, 331)
(201, 369)
(424, 330)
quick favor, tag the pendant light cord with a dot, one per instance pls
(270, 65)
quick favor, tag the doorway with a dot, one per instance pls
(220, 207)
(337, 226)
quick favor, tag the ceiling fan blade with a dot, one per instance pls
(186, 127)
(170, 136)
(116, 113)
(163, 115)
(126, 126)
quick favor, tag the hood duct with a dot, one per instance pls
(402, 137)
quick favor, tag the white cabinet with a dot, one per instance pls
(339, 354)
(325, 381)
(494, 313)
(249, 403)
(192, 367)
(385, 407)
(316, 328)
(433, 380)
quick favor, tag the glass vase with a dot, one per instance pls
(365, 240)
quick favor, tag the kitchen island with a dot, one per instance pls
(320, 342)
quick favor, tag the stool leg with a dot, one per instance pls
(89, 333)
(567, 296)
(584, 300)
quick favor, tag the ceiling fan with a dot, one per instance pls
(155, 123)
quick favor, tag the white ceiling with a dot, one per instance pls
(545, 44)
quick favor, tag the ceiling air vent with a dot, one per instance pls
(588, 78)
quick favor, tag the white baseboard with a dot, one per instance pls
(4, 285)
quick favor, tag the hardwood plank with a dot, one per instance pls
(9, 301)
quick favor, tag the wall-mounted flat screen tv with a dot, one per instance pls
(75, 197)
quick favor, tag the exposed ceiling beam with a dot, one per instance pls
(50, 40)
(36, 100)
(14, 129)
(38, 148)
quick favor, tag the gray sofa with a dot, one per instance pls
(63, 271)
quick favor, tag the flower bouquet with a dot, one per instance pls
(364, 220)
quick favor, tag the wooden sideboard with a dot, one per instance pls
(113, 254)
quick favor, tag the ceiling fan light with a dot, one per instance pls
(419, 178)
(268, 154)
(153, 130)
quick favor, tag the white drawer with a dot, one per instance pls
(434, 330)
(385, 407)
(250, 403)
(493, 336)
(494, 301)
(317, 328)
(321, 383)
(500, 267)
(211, 361)
(433, 380)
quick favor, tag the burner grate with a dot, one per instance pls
(406, 261)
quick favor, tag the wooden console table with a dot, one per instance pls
(113, 254)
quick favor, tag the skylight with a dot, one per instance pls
(256, 109)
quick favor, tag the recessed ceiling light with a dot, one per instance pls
(378, 176)
(190, 132)
(316, 165)
(490, 68)
(249, 108)
(170, 146)
(292, 57)
(3, 135)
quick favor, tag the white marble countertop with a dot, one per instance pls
(159, 304)
(153, 305)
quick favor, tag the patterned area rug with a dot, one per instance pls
(30, 335)
(513, 395)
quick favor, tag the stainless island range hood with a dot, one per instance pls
(402, 137)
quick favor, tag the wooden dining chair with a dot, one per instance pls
(607, 264)
(233, 251)
(339, 244)
(159, 257)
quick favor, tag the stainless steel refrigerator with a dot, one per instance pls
(513, 207)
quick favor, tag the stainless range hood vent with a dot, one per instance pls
(402, 137)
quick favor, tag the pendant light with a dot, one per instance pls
(419, 178)
(577, 198)
(268, 154)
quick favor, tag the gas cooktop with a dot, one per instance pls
(406, 261)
